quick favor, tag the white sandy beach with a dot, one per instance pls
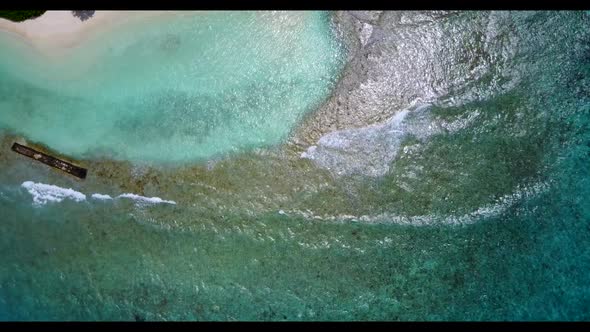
(56, 31)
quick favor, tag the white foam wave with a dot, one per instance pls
(370, 150)
(143, 199)
(44, 193)
(101, 196)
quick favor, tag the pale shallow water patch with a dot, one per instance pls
(179, 89)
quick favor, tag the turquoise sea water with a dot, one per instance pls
(480, 213)
(176, 88)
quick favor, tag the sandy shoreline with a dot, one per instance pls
(58, 30)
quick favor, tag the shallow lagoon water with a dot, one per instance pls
(471, 206)
(175, 88)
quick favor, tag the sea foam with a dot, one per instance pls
(43, 193)
(101, 196)
(143, 199)
(370, 150)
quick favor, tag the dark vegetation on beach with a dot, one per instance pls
(83, 15)
(20, 15)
